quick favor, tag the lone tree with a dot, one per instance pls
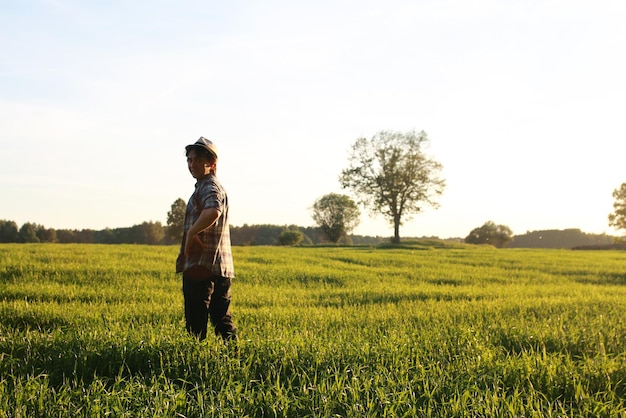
(336, 215)
(490, 233)
(391, 175)
(617, 219)
(176, 219)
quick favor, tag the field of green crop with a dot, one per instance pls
(425, 329)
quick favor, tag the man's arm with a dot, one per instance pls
(205, 220)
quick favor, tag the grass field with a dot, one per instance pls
(425, 329)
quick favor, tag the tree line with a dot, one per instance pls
(566, 238)
(154, 233)
(144, 233)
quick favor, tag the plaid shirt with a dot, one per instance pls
(217, 254)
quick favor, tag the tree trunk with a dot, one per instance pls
(396, 230)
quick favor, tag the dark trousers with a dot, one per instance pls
(208, 298)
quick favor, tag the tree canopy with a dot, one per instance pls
(290, 237)
(28, 233)
(8, 231)
(176, 219)
(617, 219)
(490, 233)
(391, 175)
(336, 215)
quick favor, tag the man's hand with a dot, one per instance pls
(191, 241)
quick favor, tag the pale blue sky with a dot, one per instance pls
(524, 103)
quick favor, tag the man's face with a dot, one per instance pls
(198, 165)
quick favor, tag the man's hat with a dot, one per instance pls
(206, 144)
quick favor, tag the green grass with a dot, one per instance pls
(424, 329)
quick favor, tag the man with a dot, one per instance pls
(205, 257)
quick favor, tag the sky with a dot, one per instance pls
(524, 104)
